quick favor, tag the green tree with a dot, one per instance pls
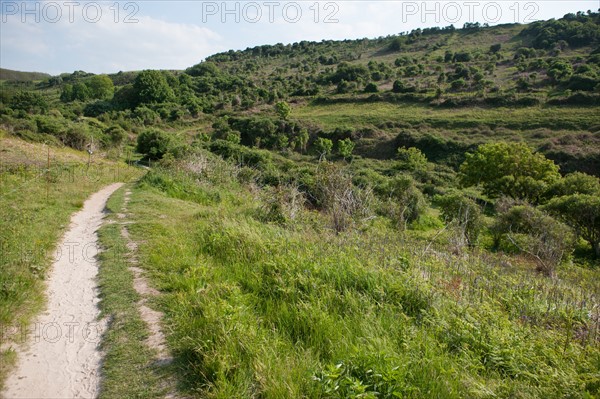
(575, 183)
(345, 147)
(80, 92)
(283, 109)
(323, 146)
(396, 44)
(66, 95)
(582, 212)
(154, 143)
(209, 69)
(100, 87)
(152, 87)
(510, 169)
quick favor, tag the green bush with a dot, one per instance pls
(582, 212)
(511, 169)
(464, 213)
(536, 234)
(153, 144)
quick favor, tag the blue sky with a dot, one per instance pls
(110, 36)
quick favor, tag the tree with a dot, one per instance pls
(154, 143)
(494, 48)
(396, 44)
(80, 92)
(575, 183)
(66, 94)
(510, 169)
(345, 147)
(464, 212)
(152, 87)
(204, 69)
(100, 87)
(283, 109)
(323, 146)
(582, 212)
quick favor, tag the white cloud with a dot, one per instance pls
(104, 46)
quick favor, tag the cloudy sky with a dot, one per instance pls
(104, 37)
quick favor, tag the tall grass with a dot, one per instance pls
(257, 309)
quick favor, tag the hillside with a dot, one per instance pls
(409, 216)
(17, 76)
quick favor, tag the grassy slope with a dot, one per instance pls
(35, 207)
(257, 309)
(10, 75)
(567, 134)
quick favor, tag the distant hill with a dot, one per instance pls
(8, 74)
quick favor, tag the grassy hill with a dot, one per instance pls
(407, 216)
(18, 76)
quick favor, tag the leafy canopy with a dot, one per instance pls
(510, 169)
(152, 87)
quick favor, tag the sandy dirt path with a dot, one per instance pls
(61, 358)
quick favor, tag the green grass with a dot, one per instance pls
(35, 207)
(128, 367)
(254, 309)
(373, 114)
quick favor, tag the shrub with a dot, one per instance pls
(411, 158)
(339, 198)
(462, 211)
(536, 234)
(323, 146)
(29, 101)
(154, 143)
(116, 135)
(282, 204)
(406, 202)
(345, 147)
(283, 109)
(582, 212)
(371, 88)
